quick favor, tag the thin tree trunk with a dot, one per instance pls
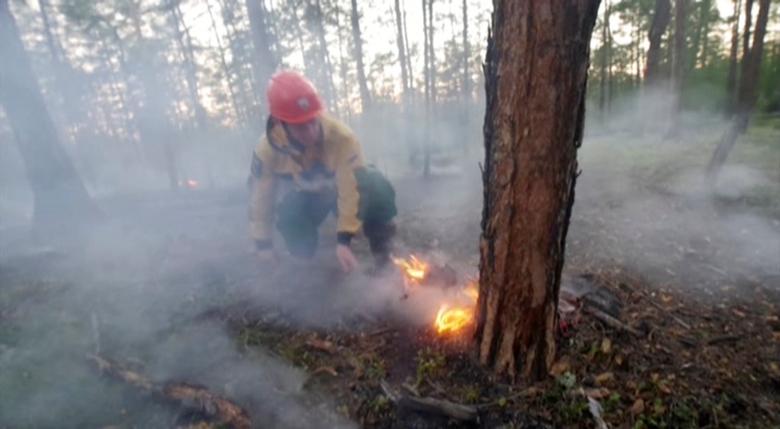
(401, 52)
(431, 55)
(661, 17)
(747, 93)
(245, 82)
(466, 101)
(731, 78)
(365, 96)
(746, 31)
(225, 69)
(264, 62)
(188, 53)
(345, 84)
(705, 42)
(59, 194)
(428, 91)
(606, 79)
(693, 58)
(539, 49)
(466, 55)
(408, 54)
(679, 64)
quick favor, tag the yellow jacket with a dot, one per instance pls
(334, 160)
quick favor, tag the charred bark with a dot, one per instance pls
(535, 79)
(661, 17)
(59, 194)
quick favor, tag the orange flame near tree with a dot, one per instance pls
(454, 314)
(413, 268)
(450, 320)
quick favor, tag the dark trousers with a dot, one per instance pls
(300, 213)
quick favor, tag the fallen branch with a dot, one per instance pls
(610, 321)
(667, 311)
(431, 405)
(190, 396)
(720, 339)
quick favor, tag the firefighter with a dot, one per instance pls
(308, 165)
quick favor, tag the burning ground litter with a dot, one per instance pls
(181, 303)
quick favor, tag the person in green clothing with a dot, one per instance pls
(308, 165)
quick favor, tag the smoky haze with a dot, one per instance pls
(154, 282)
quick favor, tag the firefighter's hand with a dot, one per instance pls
(346, 258)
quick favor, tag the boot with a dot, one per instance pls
(380, 237)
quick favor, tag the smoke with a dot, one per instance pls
(644, 201)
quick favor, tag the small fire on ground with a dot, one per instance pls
(457, 311)
(189, 184)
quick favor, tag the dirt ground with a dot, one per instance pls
(169, 289)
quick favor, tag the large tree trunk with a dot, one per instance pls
(661, 17)
(731, 78)
(365, 96)
(58, 193)
(747, 93)
(536, 71)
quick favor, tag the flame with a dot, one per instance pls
(450, 320)
(189, 183)
(413, 268)
(472, 291)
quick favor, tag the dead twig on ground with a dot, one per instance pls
(431, 405)
(611, 321)
(190, 396)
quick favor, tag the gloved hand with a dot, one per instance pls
(346, 258)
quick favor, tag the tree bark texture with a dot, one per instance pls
(661, 17)
(535, 78)
(59, 194)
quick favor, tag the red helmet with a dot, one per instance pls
(292, 98)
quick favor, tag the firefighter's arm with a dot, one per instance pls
(261, 199)
(350, 158)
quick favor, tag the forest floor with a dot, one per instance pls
(168, 290)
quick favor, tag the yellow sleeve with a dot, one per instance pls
(350, 157)
(261, 193)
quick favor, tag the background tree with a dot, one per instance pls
(538, 52)
(747, 94)
(661, 17)
(59, 195)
